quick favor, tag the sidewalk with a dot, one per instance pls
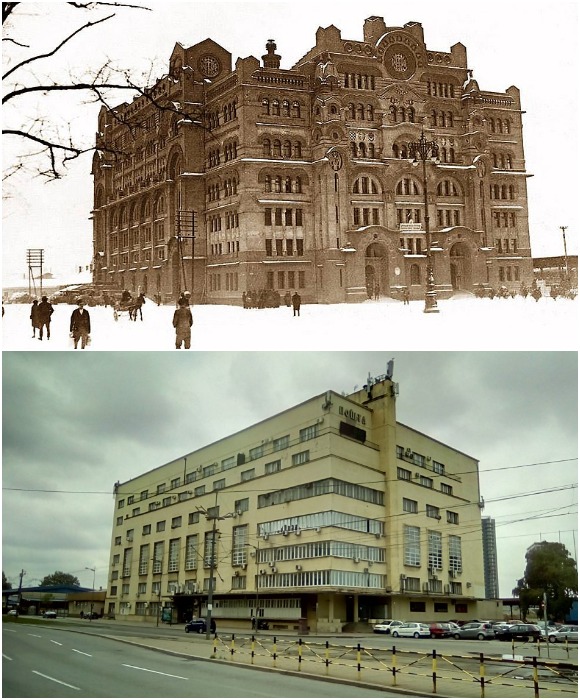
(413, 677)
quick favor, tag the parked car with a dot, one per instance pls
(13, 612)
(566, 632)
(500, 626)
(475, 630)
(412, 629)
(386, 626)
(198, 625)
(441, 629)
(51, 614)
(522, 633)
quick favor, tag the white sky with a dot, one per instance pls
(525, 43)
(74, 424)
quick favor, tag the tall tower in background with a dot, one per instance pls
(489, 558)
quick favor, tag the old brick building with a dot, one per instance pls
(300, 179)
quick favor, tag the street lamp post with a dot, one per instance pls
(257, 557)
(563, 228)
(88, 568)
(213, 515)
(423, 150)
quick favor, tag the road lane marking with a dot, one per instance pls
(55, 642)
(7, 657)
(50, 678)
(84, 653)
(138, 668)
(38, 636)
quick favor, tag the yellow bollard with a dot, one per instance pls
(274, 653)
(300, 654)
(326, 659)
(481, 676)
(358, 660)
(253, 646)
(434, 670)
(394, 669)
(233, 646)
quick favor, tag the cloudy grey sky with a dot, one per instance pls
(526, 43)
(73, 425)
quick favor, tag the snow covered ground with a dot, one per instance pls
(464, 323)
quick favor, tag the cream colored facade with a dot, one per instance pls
(330, 513)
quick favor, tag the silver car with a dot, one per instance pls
(566, 632)
(475, 630)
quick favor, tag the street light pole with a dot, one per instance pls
(257, 557)
(563, 228)
(423, 150)
(88, 568)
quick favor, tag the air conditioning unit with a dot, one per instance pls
(285, 533)
(417, 475)
(236, 573)
(297, 533)
(146, 605)
(298, 567)
(365, 571)
(408, 452)
(274, 569)
(239, 512)
(266, 536)
(356, 560)
(437, 517)
(263, 571)
(317, 529)
(271, 564)
(244, 566)
(388, 589)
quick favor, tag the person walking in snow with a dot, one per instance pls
(34, 317)
(45, 312)
(80, 325)
(182, 322)
(296, 301)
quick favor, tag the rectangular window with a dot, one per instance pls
(410, 506)
(433, 512)
(280, 443)
(452, 518)
(144, 495)
(267, 216)
(193, 518)
(191, 552)
(404, 474)
(219, 484)
(278, 216)
(281, 276)
(174, 546)
(301, 458)
(309, 433)
(299, 242)
(272, 467)
(248, 474)
(426, 481)
(417, 606)
(455, 562)
(199, 490)
(438, 468)
(299, 219)
(242, 505)
(239, 549)
(412, 545)
(130, 500)
(161, 488)
(176, 522)
(445, 488)
(210, 549)
(435, 544)
(146, 529)
(229, 463)
(175, 483)
(160, 526)
(256, 452)
(268, 246)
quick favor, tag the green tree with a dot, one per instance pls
(59, 578)
(5, 582)
(549, 569)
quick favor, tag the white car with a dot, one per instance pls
(386, 626)
(566, 632)
(412, 629)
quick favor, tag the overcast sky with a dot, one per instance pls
(73, 425)
(525, 43)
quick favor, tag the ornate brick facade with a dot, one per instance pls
(300, 178)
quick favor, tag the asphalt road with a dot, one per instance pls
(46, 662)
